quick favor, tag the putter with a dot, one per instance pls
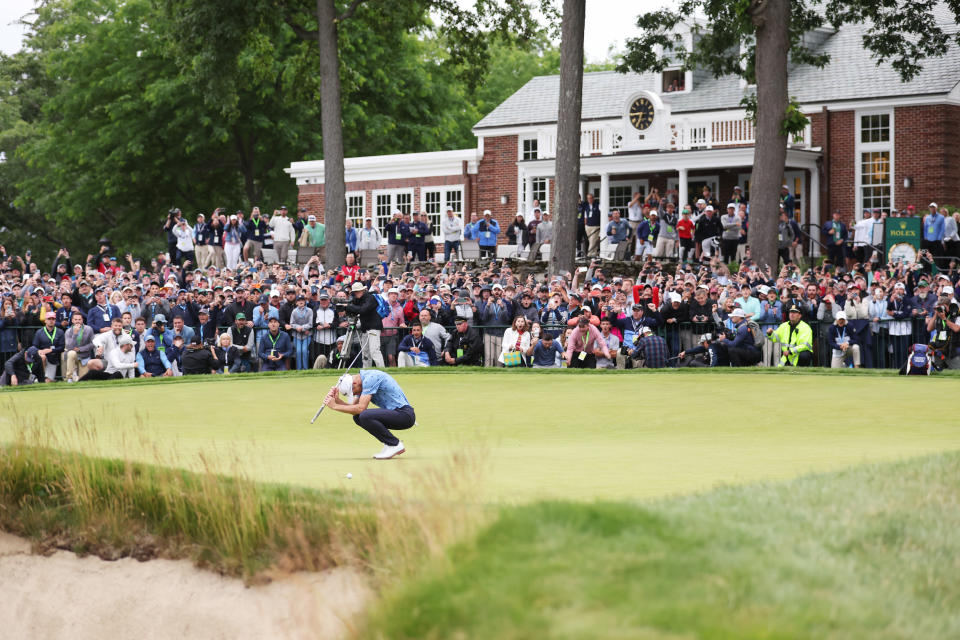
(320, 410)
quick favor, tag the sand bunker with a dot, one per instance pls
(64, 596)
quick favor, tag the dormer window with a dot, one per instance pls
(673, 81)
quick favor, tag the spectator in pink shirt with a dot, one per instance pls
(583, 341)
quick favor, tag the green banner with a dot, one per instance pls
(903, 236)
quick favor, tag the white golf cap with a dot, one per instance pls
(731, 205)
(709, 208)
(345, 386)
(486, 212)
(841, 315)
(397, 212)
(785, 187)
(124, 339)
(675, 297)
(393, 290)
(764, 289)
(932, 205)
(737, 313)
(946, 291)
(701, 201)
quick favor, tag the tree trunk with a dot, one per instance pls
(772, 21)
(331, 122)
(563, 249)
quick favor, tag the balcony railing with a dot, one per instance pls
(684, 134)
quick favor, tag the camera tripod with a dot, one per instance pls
(348, 337)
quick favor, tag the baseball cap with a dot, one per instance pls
(497, 286)
(324, 295)
(737, 313)
(701, 201)
(932, 204)
(345, 386)
(646, 330)
(50, 314)
(840, 316)
(149, 338)
(311, 218)
(785, 187)
(393, 290)
(31, 354)
(160, 318)
(709, 208)
(241, 316)
(124, 339)
(637, 307)
(459, 320)
(794, 309)
(947, 291)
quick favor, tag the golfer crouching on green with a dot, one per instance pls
(380, 388)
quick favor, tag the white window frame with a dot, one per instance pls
(521, 140)
(357, 222)
(444, 190)
(381, 221)
(864, 147)
(687, 82)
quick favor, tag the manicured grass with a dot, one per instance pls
(534, 435)
(869, 552)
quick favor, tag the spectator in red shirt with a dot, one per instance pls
(685, 229)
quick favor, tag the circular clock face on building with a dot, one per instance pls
(641, 114)
(902, 252)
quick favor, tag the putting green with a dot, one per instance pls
(535, 435)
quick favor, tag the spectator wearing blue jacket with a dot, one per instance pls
(397, 234)
(151, 362)
(617, 233)
(835, 233)
(547, 353)
(102, 313)
(488, 229)
(350, 235)
(470, 229)
(275, 348)
(741, 348)
(933, 231)
(414, 347)
(647, 232)
(590, 212)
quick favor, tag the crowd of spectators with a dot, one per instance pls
(210, 304)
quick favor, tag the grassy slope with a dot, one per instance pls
(870, 552)
(542, 435)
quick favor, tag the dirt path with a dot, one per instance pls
(64, 596)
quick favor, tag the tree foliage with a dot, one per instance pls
(900, 32)
(107, 120)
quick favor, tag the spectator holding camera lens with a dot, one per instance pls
(275, 347)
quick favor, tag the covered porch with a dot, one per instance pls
(614, 178)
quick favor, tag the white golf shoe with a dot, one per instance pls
(388, 452)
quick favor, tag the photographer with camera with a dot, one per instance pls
(199, 358)
(363, 310)
(173, 219)
(944, 328)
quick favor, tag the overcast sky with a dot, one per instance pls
(609, 22)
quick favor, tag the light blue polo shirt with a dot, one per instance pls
(382, 389)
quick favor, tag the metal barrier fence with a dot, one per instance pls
(883, 345)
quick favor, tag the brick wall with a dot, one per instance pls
(925, 151)
(842, 163)
(497, 176)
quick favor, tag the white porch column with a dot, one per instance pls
(528, 196)
(815, 209)
(682, 189)
(604, 204)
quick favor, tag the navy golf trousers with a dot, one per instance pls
(378, 422)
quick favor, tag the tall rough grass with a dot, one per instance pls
(226, 522)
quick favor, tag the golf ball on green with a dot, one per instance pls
(349, 475)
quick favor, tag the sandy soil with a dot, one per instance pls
(64, 596)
